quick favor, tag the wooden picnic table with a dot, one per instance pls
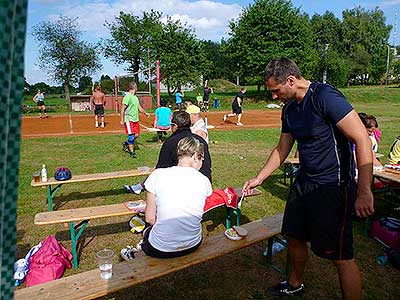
(387, 174)
(87, 178)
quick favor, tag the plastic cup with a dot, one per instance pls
(36, 177)
(104, 259)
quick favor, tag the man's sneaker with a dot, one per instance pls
(224, 118)
(133, 154)
(285, 289)
(102, 125)
(125, 147)
(128, 253)
(239, 124)
(97, 124)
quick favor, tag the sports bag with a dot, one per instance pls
(387, 231)
(48, 263)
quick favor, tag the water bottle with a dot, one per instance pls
(276, 247)
(44, 174)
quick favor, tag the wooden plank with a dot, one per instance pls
(89, 285)
(95, 177)
(80, 214)
(254, 192)
(292, 160)
(379, 155)
(152, 129)
(388, 174)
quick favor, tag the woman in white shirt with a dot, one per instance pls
(175, 203)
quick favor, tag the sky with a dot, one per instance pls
(208, 18)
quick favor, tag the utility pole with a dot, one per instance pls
(237, 77)
(387, 64)
(325, 72)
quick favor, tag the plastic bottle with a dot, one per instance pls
(276, 247)
(44, 174)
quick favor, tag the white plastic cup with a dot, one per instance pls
(104, 259)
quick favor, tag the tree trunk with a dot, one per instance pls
(258, 88)
(67, 96)
(169, 90)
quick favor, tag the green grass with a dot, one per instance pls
(236, 156)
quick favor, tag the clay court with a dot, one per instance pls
(61, 125)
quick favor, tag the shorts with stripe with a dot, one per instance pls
(132, 127)
(321, 215)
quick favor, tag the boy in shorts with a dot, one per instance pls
(130, 118)
(99, 101)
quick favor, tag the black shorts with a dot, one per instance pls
(321, 215)
(40, 103)
(149, 250)
(99, 110)
(236, 109)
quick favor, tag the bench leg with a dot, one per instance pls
(50, 195)
(228, 223)
(75, 234)
(269, 255)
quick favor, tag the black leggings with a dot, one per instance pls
(151, 251)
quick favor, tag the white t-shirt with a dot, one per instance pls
(200, 125)
(181, 193)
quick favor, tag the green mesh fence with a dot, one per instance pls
(12, 43)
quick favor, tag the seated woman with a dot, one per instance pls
(394, 154)
(175, 203)
(162, 118)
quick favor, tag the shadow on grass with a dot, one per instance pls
(21, 249)
(275, 185)
(60, 201)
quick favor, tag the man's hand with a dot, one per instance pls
(250, 184)
(121, 123)
(364, 205)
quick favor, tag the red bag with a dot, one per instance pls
(48, 263)
(387, 231)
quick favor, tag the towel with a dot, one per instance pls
(220, 197)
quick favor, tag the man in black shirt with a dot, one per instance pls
(180, 125)
(237, 107)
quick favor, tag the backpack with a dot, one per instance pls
(48, 263)
(386, 231)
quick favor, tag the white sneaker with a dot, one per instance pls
(139, 245)
(102, 125)
(97, 124)
(225, 118)
(128, 253)
(239, 124)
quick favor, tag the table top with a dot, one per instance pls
(292, 160)
(95, 177)
(388, 174)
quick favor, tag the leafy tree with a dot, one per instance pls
(85, 83)
(40, 86)
(132, 40)
(105, 77)
(364, 38)
(62, 55)
(268, 29)
(181, 55)
(219, 68)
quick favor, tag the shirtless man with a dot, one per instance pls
(99, 101)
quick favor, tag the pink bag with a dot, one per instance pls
(48, 263)
(387, 231)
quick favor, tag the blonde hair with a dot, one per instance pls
(189, 146)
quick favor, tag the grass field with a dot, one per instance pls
(236, 156)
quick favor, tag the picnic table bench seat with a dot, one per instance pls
(89, 285)
(86, 178)
(83, 215)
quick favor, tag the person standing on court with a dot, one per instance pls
(324, 195)
(237, 107)
(39, 99)
(130, 118)
(99, 101)
(178, 99)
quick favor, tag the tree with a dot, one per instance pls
(268, 29)
(62, 55)
(219, 67)
(182, 57)
(132, 40)
(85, 83)
(364, 41)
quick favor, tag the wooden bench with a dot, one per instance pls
(86, 178)
(83, 215)
(89, 285)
